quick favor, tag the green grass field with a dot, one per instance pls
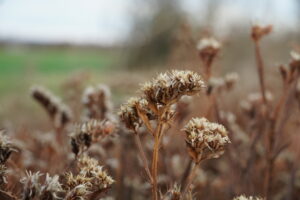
(22, 66)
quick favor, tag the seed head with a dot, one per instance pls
(169, 87)
(205, 139)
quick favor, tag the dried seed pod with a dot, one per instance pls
(205, 140)
(59, 113)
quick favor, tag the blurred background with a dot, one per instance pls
(121, 43)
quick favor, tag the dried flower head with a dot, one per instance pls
(59, 113)
(169, 87)
(88, 132)
(134, 112)
(259, 31)
(242, 197)
(51, 188)
(6, 148)
(208, 49)
(91, 169)
(205, 139)
(97, 102)
(32, 187)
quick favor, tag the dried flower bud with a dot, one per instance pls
(6, 148)
(169, 87)
(97, 102)
(208, 49)
(59, 113)
(88, 132)
(242, 197)
(259, 31)
(205, 139)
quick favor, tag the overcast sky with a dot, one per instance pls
(109, 21)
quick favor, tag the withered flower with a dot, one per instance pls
(134, 112)
(205, 139)
(169, 87)
(85, 133)
(91, 169)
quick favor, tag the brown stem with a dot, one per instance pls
(260, 69)
(277, 123)
(143, 156)
(190, 178)
(158, 133)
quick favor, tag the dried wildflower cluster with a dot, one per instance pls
(132, 112)
(97, 102)
(59, 113)
(88, 132)
(168, 87)
(91, 178)
(205, 139)
(51, 189)
(242, 197)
